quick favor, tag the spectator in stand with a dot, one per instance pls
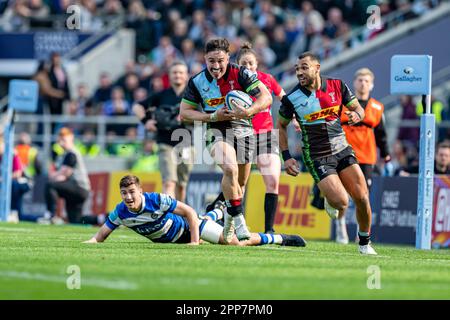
(146, 24)
(409, 113)
(179, 33)
(441, 162)
(163, 50)
(58, 78)
(149, 160)
(189, 53)
(117, 106)
(139, 95)
(311, 21)
(399, 157)
(333, 23)
(89, 17)
(224, 29)
(130, 68)
(292, 29)
(80, 107)
(146, 72)
(129, 147)
(28, 156)
(198, 27)
(38, 9)
(111, 143)
(280, 45)
(266, 56)
(103, 93)
(157, 85)
(84, 104)
(247, 24)
(131, 85)
(88, 146)
(16, 17)
(46, 93)
(46, 89)
(112, 8)
(20, 184)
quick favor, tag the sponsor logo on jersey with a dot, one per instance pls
(231, 84)
(214, 102)
(322, 114)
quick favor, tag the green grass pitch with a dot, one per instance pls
(35, 260)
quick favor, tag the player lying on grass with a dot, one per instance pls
(161, 218)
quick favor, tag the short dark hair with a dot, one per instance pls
(443, 145)
(128, 181)
(217, 44)
(309, 54)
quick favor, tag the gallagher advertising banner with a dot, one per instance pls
(294, 214)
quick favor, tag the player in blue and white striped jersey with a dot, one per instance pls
(161, 218)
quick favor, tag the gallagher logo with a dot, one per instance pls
(408, 70)
(214, 102)
(407, 76)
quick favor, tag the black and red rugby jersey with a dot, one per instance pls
(318, 114)
(210, 93)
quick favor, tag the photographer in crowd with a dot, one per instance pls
(160, 113)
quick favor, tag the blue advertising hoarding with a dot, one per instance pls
(394, 211)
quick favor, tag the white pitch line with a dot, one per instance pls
(16, 229)
(103, 283)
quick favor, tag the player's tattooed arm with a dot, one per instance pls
(356, 112)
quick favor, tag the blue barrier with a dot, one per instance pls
(394, 211)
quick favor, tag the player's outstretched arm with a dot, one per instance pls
(101, 235)
(189, 213)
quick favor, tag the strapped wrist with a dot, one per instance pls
(360, 118)
(213, 116)
(286, 155)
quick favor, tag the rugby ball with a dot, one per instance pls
(239, 97)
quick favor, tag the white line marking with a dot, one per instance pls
(103, 283)
(16, 229)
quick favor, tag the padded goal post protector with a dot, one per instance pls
(411, 74)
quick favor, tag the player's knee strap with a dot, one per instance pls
(211, 231)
